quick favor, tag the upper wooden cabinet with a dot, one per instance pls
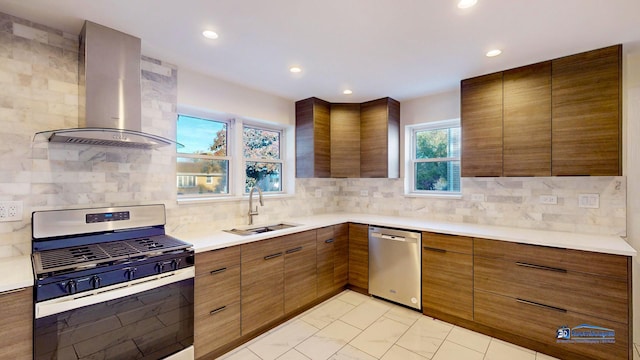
(559, 117)
(313, 138)
(586, 106)
(348, 140)
(380, 139)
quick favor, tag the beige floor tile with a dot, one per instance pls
(379, 337)
(240, 354)
(540, 356)
(329, 312)
(352, 297)
(272, 345)
(328, 341)
(452, 351)
(350, 353)
(399, 353)
(366, 313)
(425, 336)
(293, 354)
(403, 315)
(500, 350)
(470, 339)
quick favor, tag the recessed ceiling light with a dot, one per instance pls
(494, 52)
(463, 4)
(295, 69)
(210, 34)
(347, 92)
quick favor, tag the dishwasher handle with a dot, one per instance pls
(378, 235)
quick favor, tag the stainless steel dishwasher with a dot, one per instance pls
(395, 264)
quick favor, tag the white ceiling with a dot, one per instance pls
(398, 48)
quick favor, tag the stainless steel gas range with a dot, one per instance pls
(110, 284)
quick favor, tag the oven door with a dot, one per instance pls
(149, 318)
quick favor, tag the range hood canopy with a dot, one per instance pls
(109, 111)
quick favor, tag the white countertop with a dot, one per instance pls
(16, 273)
(203, 240)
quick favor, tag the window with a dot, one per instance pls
(203, 163)
(435, 158)
(263, 165)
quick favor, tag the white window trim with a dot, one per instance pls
(410, 132)
(283, 152)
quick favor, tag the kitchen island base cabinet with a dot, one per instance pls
(16, 333)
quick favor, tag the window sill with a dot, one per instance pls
(216, 199)
(455, 196)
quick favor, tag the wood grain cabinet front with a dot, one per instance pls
(325, 258)
(217, 304)
(340, 255)
(447, 276)
(299, 270)
(359, 255)
(17, 328)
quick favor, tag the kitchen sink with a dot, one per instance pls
(260, 229)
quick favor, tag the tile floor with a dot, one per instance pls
(354, 326)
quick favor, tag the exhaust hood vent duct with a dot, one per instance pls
(109, 93)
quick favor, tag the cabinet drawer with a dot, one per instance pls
(602, 297)
(219, 287)
(260, 250)
(217, 259)
(541, 324)
(292, 243)
(215, 327)
(447, 283)
(460, 244)
(566, 259)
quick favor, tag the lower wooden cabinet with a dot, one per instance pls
(325, 259)
(359, 255)
(299, 270)
(447, 275)
(16, 332)
(340, 255)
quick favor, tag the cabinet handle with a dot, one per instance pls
(548, 307)
(329, 241)
(291, 251)
(220, 309)
(434, 249)
(218, 271)
(541, 267)
(272, 256)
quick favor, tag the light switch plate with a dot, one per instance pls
(364, 192)
(477, 197)
(549, 199)
(318, 193)
(591, 201)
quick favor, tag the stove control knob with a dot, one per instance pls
(175, 264)
(130, 273)
(95, 281)
(71, 287)
(160, 267)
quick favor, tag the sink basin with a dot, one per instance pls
(260, 229)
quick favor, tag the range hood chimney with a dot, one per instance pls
(109, 93)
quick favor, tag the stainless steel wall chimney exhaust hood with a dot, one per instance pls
(109, 93)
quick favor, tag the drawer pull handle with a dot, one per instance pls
(548, 307)
(434, 249)
(541, 267)
(328, 241)
(273, 256)
(291, 251)
(220, 309)
(218, 271)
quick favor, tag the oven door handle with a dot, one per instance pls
(59, 305)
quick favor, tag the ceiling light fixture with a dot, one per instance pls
(347, 92)
(464, 4)
(494, 52)
(295, 69)
(210, 34)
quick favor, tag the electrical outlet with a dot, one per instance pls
(549, 199)
(318, 193)
(364, 192)
(477, 197)
(591, 201)
(10, 210)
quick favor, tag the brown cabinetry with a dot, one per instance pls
(380, 139)
(340, 255)
(532, 291)
(345, 140)
(447, 276)
(217, 308)
(333, 258)
(313, 139)
(299, 270)
(359, 255)
(17, 329)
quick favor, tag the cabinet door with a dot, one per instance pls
(299, 270)
(17, 324)
(345, 140)
(380, 139)
(447, 275)
(325, 256)
(340, 255)
(262, 276)
(481, 122)
(359, 255)
(527, 120)
(313, 144)
(587, 113)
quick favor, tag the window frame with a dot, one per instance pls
(281, 131)
(412, 161)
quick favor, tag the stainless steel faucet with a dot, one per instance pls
(251, 211)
